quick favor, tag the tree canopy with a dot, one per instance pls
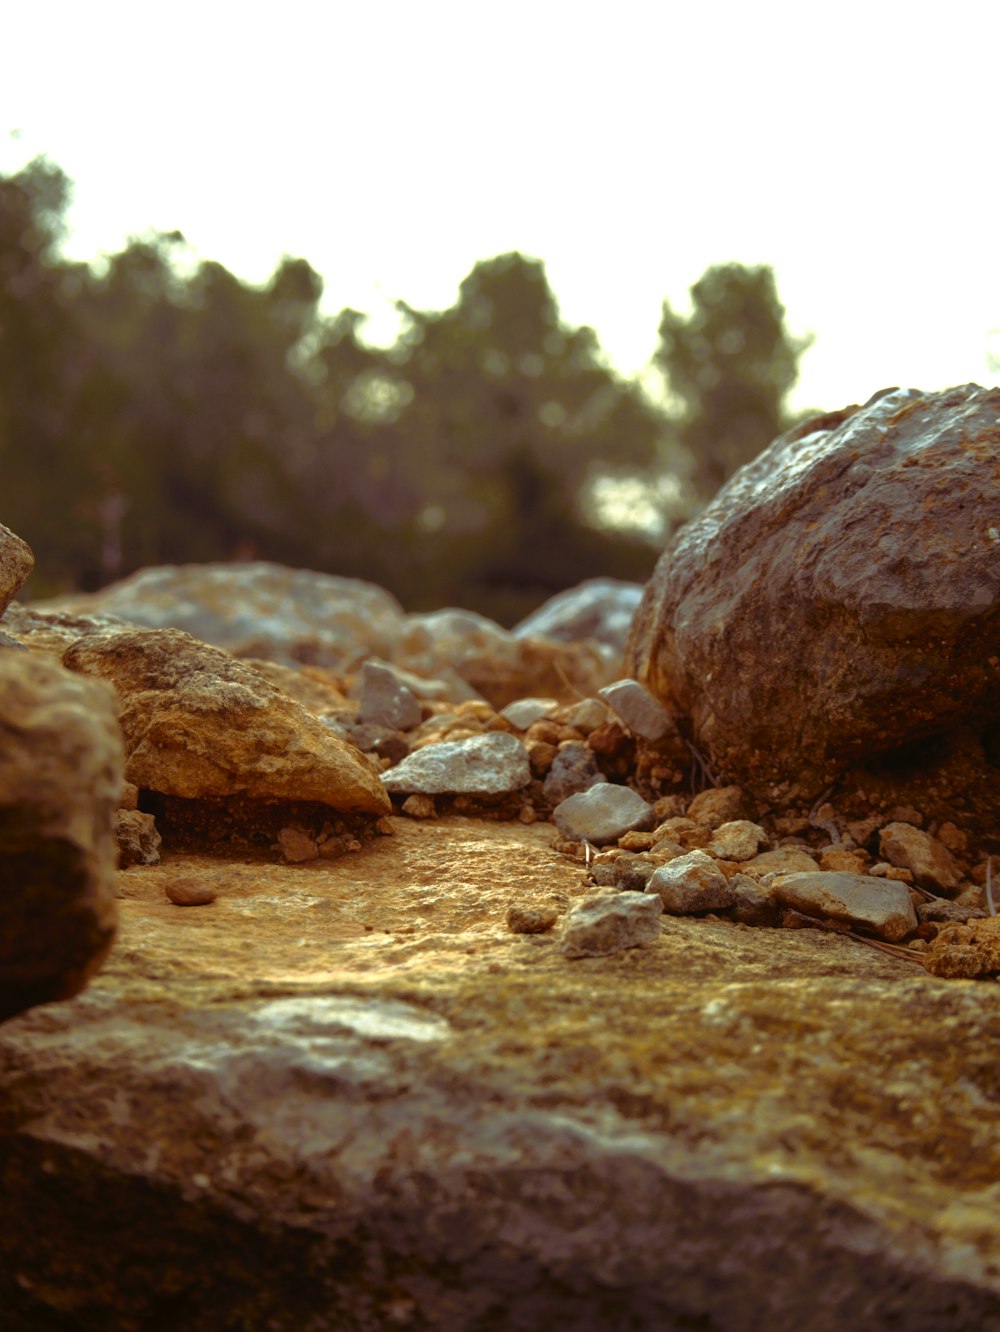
(153, 411)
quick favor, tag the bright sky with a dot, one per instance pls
(393, 143)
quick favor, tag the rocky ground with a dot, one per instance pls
(456, 982)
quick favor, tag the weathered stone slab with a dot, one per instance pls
(882, 906)
(491, 764)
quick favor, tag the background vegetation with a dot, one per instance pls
(154, 412)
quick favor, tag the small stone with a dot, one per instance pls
(129, 797)
(929, 860)
(297, 846)
(879, 906)
(541, 755)
(636, 841)
(737, 840)
(587, 715)
(851, 862)
(531, 920)
(717, 805)
(602, 814)
(137, 838)
(492, 764)
(609, 922)
(632, 873)
(574, 768)
(883, 870)
(385, 701)
(643, 714)
(782, 860)
(691, 883)
(188, 892)
(966, 951)
(523, 712)
(751, 904)
(419, 807)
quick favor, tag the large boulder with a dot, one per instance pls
(16, 563)
(200, 724)
(839, 598)
(61, 778)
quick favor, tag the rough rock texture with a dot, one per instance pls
(880, 906)
(256, 609)
(689, 884)
(346, 1096)
(493, 764)
(927, 859)
(608, 922)
(16, 563)
(386, 702)
(199, 723)
(643, 714)
(839, 598)
(61, 767)
(599, 608)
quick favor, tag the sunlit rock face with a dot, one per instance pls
(840, 597)
(16, 563)
(61, 778)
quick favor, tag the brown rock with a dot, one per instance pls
(716, 805)
(188, 891)
(928, 860)
(16, 563)
(840, 596)
(137, 838)
(199, 723)
(60, 778)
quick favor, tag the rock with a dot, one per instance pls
(297, 846)
(782, 860)
(587, 715)
(691, 883)
(386, 702)
(419, 807)
(573, 768)
(256, 609)
(631, 874)
(878, 906)
(840, 596)
(137, 838)
(60, 776)
(496, 664)
(348, 1097)
(609, 922)
(530, 919)
(928, 860)
(371, 738)
(16, 563)
(966, 952)
(524, 712)
(737, 840)
(491, 764)
(599, 608)
(716, 805)
(200, 724)
(639, 710)
(751, 905)
(7, 641)
(183, 891)
(601, 814)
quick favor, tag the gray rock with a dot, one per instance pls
(643, 714)
(523, 712)
(386, 702)
(609, 922)
(573, 769)
(928, 860)
(691, 883)
(839, 596)
(599, 608)
(61, 774)
(602, 814)
(491, 764)
(16, 563)
(258, 609)
(586, 715)
(878, 906)
(737, 840)
(751, 904)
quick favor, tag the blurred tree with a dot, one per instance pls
(729, 365)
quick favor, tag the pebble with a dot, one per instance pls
(297, 846)
(737, 840)
(928, 860)
(602, 814)
(188, 892)
(492, 764)
(691, 883)
(573, 768)
(609, 922)
(523, 712)
(531, 920)
(879, 906)
(718, 804)
(643, 714)
(385, 701)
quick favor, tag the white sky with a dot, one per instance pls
(393, 143)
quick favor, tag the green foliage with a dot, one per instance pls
(729, 365)
(151, 412)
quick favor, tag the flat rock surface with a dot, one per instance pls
(352, 1079)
